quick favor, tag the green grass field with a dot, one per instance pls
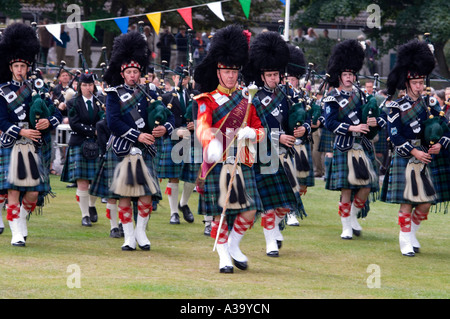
(314, 262)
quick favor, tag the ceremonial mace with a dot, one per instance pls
(252, 90)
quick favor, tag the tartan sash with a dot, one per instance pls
(234, 119)
(21, 95)
(344, 111)
(263, 108)
(126, 105)
(412, 113)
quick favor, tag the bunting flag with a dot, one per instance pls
(186, 14)
(216, 7)
(155, 20)
(153, 17)
(55, 30)
(122, 23)
(90, 28)
(246, 6)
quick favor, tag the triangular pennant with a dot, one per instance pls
(90, 28)
(186, 14)
(216, 7)
(122, 23)
(55, 30)
(246, 6)
(155, 20)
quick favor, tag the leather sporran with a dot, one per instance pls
(90, 149)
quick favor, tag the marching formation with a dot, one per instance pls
(238, 129)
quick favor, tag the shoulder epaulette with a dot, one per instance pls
(204, 95)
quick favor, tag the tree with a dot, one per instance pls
(401, 20)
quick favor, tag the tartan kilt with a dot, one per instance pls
(101, 184)
(47, 151)
(309, 180)
(338, 171)
(166, 168)
(43, 188)
(440, 174)
(275, 191)
(210, 199)
(190, 170)
(382, 145)
(76, 166)
(394, 181)
(326, 141)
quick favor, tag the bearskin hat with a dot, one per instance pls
(268, 52)
(346, 56)
(18, 43)
(297, 63)
(414, 60)
(229, 49)
(129, 50)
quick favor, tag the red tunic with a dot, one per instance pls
(206, 106)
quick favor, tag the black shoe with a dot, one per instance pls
(114, 233)
(410, 254)
(1, 230)
(19, 244)
(86, 221)
(187, 214)
(73, 185)
(145, 247)
(226, 270)
(127, 248)
(273, 253)
(279, 243)
(357, 233)
(121, 231)
(175, 219)
(207, 231)
(242, 265)
(416, 249)
(93, 214)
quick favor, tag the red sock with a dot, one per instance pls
(223, 233)
(144, 209)
(344, 209)
(268, 220)
(241, 224)
(12, 212)
(404, 220)
(125, 214)
(418, 216)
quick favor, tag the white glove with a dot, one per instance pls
(214, 151)
(246, 132)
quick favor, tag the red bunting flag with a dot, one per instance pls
(186, 14)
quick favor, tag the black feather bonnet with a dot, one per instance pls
(268, 52)
(297, 62)
(346, 56)
(228, 50)
(414, 60)
(129, 50)
(18, 43)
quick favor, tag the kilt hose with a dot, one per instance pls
(43, 188)
(395, 181)
(276, 192)
(101, 184)
(326, 141)
(76, 166)
(338, 173)
(209, 203)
